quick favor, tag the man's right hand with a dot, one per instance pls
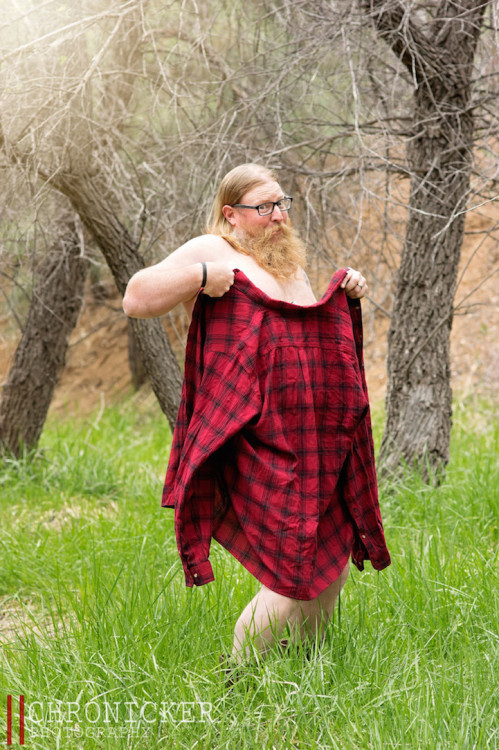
(219, 279)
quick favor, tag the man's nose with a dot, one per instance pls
(277, 214)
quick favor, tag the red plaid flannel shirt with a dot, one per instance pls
(272, 451)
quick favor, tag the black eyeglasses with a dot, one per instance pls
(264, 209)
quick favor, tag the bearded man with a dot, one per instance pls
(272, 453)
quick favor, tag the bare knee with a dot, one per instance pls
(269, 613)
(262, 621)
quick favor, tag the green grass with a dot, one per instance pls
(95, 614)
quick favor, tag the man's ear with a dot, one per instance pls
(228, 213)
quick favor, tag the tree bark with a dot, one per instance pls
(138, 372)
(41, 352)
(440, 152)
(123, 258)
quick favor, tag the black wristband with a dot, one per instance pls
(203, 283)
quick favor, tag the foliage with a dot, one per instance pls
(94, 607)
(163, 98)
(132, 110)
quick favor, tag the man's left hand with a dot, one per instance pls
(354, 284)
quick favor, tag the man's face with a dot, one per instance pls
(246, 222)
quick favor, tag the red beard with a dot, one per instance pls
(278, 250)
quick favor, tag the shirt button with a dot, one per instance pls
(194, 575)
(363, 536)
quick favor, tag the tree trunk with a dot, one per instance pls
(440, 156)
(41, 352)
(123, 258)
(138, 372)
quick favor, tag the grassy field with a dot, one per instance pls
(110, 650)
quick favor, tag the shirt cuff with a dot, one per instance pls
(198, 575)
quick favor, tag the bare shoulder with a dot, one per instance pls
(207, 247)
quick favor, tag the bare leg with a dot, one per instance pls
(267, 614)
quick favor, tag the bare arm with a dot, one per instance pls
(156, 290)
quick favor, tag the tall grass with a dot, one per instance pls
(95, 615)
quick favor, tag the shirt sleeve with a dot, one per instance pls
(227, 399)
(360, 482)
